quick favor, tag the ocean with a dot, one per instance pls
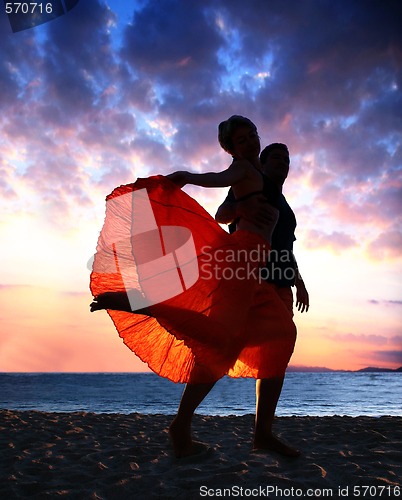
(314, 394)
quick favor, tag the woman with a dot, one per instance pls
(225, 323)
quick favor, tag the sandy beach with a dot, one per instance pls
(114, 456)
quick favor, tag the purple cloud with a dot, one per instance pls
(176, 45)
(320, 77)
(336, 241)
(365, 338)
(386, 302)
(387, 356)
(387, 245)
(359, 338)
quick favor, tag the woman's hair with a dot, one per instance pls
(227, 128)
(267, 150)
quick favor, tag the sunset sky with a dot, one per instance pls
(122, 89)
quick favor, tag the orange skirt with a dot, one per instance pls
(200, 309)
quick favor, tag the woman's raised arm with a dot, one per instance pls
(232, 175)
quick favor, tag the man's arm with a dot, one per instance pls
(255, 208)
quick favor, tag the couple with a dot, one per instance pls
(242, 328)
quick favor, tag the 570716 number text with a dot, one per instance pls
(28, 8)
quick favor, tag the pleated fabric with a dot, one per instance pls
(223, 320)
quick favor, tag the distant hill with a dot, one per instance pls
(374, 369)
(322, 369)
(313, 369)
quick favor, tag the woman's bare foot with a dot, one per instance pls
(272, 443)
(111, 300)
(180, 436)
(182, 442)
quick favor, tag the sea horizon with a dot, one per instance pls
(304, 393)
(290, 369)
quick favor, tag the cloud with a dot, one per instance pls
(6, 188)
(88, 102)
(387, 356)
(335, 241)
(323, 79)
(44, 330)
(153, 152)
(359, 338)
(177, 48)
(365, 339)
(58, 82)
(386, 302)
(77, 68)
(18, 55)
(387, 245)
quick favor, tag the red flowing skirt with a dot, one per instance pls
(200, 309)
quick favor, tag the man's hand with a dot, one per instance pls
(302, 297)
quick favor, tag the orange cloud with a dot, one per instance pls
(45, 330)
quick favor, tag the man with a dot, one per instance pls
(281, 269)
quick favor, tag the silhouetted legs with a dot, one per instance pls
(268, 391)
(180, 428)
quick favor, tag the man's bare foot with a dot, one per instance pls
(111, 300)
(272, 443)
